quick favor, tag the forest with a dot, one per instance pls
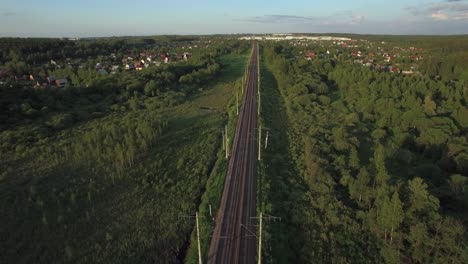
(373, 167)
(104, 169)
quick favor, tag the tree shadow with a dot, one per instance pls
(283, 190)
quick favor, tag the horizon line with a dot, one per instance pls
(230, 34)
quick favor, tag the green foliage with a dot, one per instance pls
(103, 173)
(376, 152)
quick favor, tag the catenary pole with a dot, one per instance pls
(198, 240)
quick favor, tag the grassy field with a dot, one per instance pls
(55, 210)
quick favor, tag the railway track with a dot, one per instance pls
(234, 238)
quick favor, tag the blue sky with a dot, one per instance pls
(87, 18)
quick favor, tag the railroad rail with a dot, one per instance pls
(233, 239)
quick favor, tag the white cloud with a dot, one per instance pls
(449, 10)
(357, 19)
(439, 16)
(463, 16)
(341, 18)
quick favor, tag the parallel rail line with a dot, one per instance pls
(233, 240)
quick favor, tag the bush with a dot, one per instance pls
(60, 121)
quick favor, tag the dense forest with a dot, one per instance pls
(103, 169)
(378, 162)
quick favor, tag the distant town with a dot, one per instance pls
(379, 56)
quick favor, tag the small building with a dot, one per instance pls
(395, 69)
(61, 83)
(19, 77)
(41, 82)
(129, 67)
(3, 73)
(140, 66)
(115, 68)
(410, 72)
(51, 80)
(187, 55)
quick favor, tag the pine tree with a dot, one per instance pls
(422, 205)
(379, 160)
(354, 159)
(391, 215)
(359, 189)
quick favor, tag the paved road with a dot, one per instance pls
(234, 234)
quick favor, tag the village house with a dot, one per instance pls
(187, 55)
(129, 67)
(115, 69)
(139, 66)
(407, 72)
(20, 77)
(3, 73)
(51, 80)
(395, 69)
(40, 82)
(310, 55)
(61, 83)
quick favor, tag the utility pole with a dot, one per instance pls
(259, 142)
(259, 102)
(197, 225)
(237, 102)
(268, 218)
(260, 241)
(266, 139)
(224, 143)
(198, 240)
(258, 81)
(244, 80)
(227, 142)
